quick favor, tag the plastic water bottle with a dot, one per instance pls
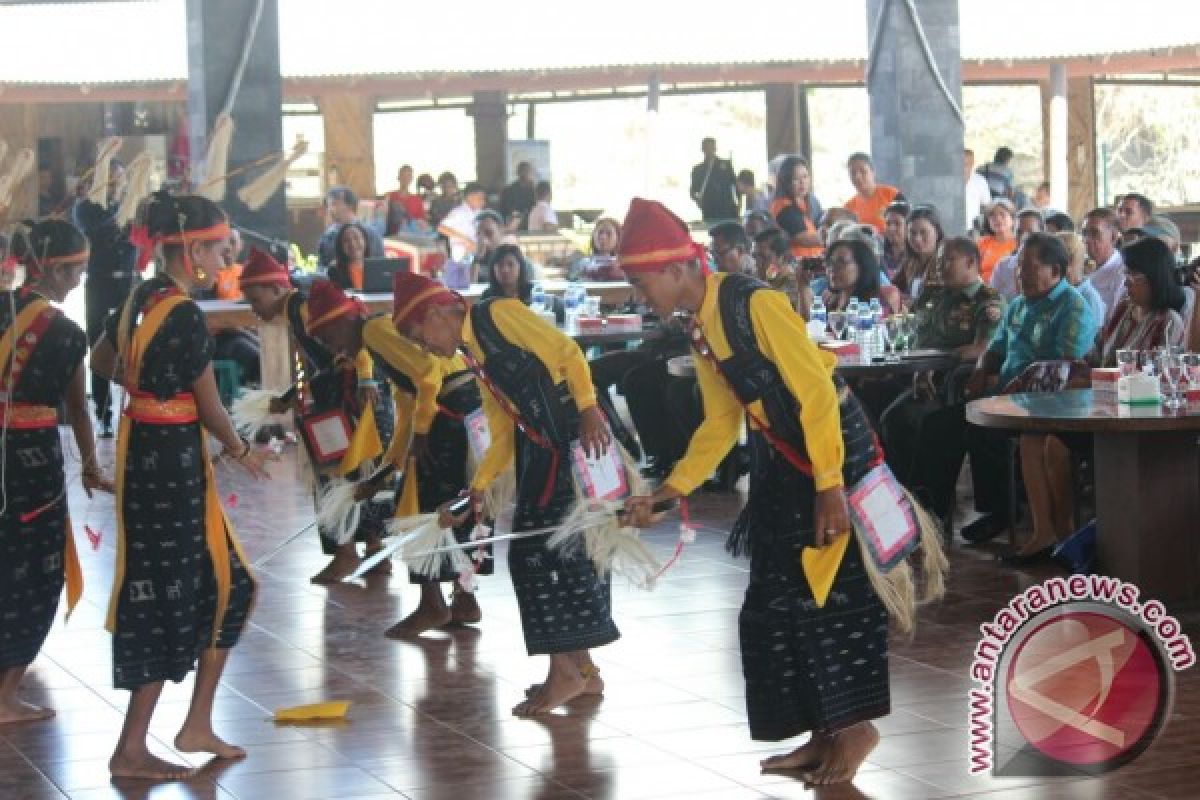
(877, 325)
(818, 312)
(876, 310)
(573, 303)
(538, 299)
(866, 332)
(852, 318)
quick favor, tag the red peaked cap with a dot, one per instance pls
(327, 303)
(653, 238)
(261, 269)
(414, 294)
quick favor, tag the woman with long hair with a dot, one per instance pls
(854, 272)
(182, 588)
(922, 239)
(350, 254)
(999, 235)
(41, 368)
(895, 237)
(796, 209)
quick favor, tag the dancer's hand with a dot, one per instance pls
(255, 460)
(368, 396)
(94, 480)
(831, 518)
(593, 432)
(280, 406)
(365, 489)
(639, 511)
(448, 520)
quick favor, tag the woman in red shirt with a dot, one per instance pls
(404, 209)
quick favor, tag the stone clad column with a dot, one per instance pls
(788, 130)
(916, 136)
(350, 140)
(214, 40)
(489, 110)
(1081, 146)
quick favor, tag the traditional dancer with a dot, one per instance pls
(538, 398)
(41, 368)
(433, 397)
(182, 589)
(326, 382)
(809, 665)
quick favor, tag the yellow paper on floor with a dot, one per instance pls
(333, 710)
(821, 564)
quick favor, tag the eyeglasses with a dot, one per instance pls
(841, 262)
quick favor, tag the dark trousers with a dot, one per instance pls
(990, 477)
(925, 442)
(101, 298)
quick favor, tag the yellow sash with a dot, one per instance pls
(72, 571)
(218, 533)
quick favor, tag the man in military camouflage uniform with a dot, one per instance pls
(924, 428)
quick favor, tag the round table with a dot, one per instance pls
(1147, 480)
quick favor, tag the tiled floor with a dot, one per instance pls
(431, 719)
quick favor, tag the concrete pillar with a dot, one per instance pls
(916, 135)
(19, 128)
(787, 120)
(1081, 146)
(350, 140)
(214, 39)
(490, 113)
(1054, 134)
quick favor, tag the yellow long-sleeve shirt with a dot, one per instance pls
(561, 357)
(806, 370)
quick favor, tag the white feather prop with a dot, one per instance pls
(137, 187)
(613, 548)
(252, 411)
(98, 194)
(216, 160)
(427, 550)
(257, 192)
(21, 169)
(337, 510)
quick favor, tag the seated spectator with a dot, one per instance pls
(226, 287)
(1004, 275)
(239, 345)
(1049, 321)
(518, 198)
(796, 209)
(1058, 222)
(1134, 211)
(1145, 319)
(341, 208)
(923, 237)
(895, 234)
(1077, 256)
(924, 429)
(350, 254)
(753, 199)
(542, 218)
(404, 210)
(731, 248)
(774, 267)
(509, 274)
(446, 200)
(853, 271)
(426, 189)
(600, 262)
(1041, 197)
(832, 217)
(459, 224)
(757, 222)
(1107, 274)
(870, 198)
(489, 235)
(999, 237)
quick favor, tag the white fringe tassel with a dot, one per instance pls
(216, 160)
(337, 510)
(139, 174)
(252, 411)
(257, 192)
(21, 169)
(98, 194)
(426, 547)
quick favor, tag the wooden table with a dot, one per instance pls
(1147, 481)
(275, 355)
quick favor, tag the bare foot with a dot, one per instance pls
(19, 711)
(341, 566)
(416, 623)
(592, 686)
(464, 608)
(207, 742)
(807, 756)
(383, 567)
(560, 688)
(147, 766)
(848, 749)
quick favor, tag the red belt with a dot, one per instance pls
(28, 416)
(178, 410)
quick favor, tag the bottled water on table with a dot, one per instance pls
(866, 332)
(852, 319)
(876, 310)
(818, 313)
(538, 299)
(573, 300)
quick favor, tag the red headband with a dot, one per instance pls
(653, 238)
(327, 303)
(415, 294)
(263, 270)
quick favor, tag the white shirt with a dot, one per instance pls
(1004, 277)
(978, 195)
(1109, 282)
(461, 220)
(542, 218)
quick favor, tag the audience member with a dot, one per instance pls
(1041, 197)
(1076, 258)
(895, 234)
(1049, 321)
(1134, 211)
(752, 198)
(796, 209)
(978, 195)
(731, 248)
(341, 208)
(600, 262)
(1004, 274)
(924, 429)
(1058, 222)
(832, 217)
(713, 185)
(518, 198)
(870, 198)
(350, 255)
(999, 176)
(922, 239)
(1107, 276)
(446, 201)
(459, 225)
(854, 272)
(998, 238)
(226, 287)
(405, 211)
(774, 266)
(543, 219)
(757, 222)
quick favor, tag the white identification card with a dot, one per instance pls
(478, 435)
(602, 478)
(329, 436)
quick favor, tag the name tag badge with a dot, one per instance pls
(479, 437)
(602, 478)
